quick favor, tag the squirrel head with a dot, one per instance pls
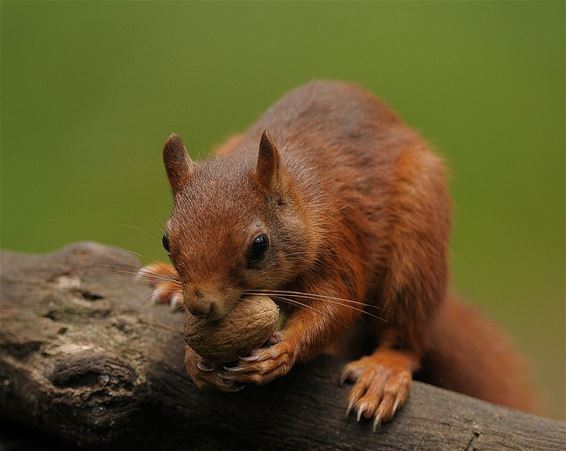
(238, 226)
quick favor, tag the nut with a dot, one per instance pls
(248, 326)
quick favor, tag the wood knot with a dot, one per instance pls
(97, 371)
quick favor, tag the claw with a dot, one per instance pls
(155, 296)
(274, 339)
(396, 405)
(176, 301)
(349, 409)
(228, 378)
(140, 274)
(226, 383)
(232, 369)
(344, 377)
(360, 411)
(201, 366)
(237, 388)
(377, 421)
(250, 358)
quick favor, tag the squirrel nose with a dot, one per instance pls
(203, 304)
(200, 308)
(197, 304)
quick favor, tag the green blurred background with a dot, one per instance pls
(90, 90)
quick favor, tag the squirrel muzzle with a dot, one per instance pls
(206, 303)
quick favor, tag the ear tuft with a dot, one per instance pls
(268, 171)
(178, 164)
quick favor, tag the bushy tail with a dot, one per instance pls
(470, 355)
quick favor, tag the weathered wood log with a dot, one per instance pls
(85, 359)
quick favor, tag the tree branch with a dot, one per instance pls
(86, 360)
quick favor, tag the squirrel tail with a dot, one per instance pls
(470, 355)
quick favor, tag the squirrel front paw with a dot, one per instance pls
(262, 365)
(167, 287)
(205, 374)
(380, 388)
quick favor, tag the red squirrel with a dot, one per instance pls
(340, 212)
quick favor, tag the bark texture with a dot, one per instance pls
(85, 360)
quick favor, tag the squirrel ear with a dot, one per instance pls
(178, 164)
(268, 163)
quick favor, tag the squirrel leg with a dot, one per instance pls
(307, 331)
(167, 287)
(413, 286)
(382, 382)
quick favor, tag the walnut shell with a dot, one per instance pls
(248, 326)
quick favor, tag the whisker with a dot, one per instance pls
(322, 296)
(318, 299)
(301, 304)
(134, 271)
(167, 268)
(155, 277)
(137, 254)
(108, 269)
(140, 229)
(161, 279)
(298, 303)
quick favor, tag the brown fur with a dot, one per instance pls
(356, 208)
(470, 355)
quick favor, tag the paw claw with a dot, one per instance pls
(207, 369)
(274, 339)
(232, 369)
(395, 405)
(176, 302)
(155, 296)
(349, 409)
(250, 358)
(237, 388)
(261, 367)
(140, 274)
(226, 384)
(376, 422)
(361, 410)
(344, 377)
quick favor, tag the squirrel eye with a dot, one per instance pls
(258, 248)
(165, 243)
